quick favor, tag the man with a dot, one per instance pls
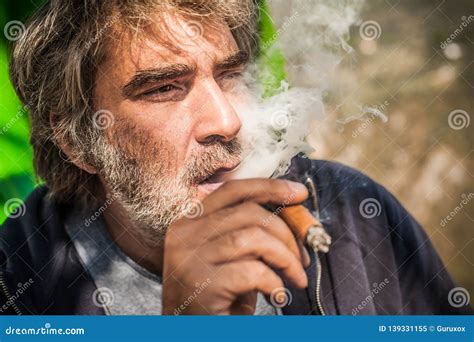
(134, 123)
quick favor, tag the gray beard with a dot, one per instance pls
(152, 194)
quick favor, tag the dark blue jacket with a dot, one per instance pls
(381, 261)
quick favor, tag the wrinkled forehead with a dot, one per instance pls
(169, 39)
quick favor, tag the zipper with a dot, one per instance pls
(6, 293)
(319, 302)
(314, 195)
(319, 269)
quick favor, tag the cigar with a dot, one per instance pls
(306, 227)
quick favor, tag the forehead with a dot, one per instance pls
(171, 39)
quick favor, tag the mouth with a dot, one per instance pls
(215, 180)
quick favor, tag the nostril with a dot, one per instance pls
(212, 139)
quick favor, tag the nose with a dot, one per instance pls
(216, 117)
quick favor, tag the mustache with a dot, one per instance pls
(216, 155)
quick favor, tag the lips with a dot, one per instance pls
(215, 180)
(219, 175)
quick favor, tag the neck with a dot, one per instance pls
(125, 234)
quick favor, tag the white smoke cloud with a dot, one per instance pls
(313, 39)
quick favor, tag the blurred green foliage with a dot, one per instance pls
(16, 170)
(271, 63)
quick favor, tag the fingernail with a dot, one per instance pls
(306, 258)
(304, 283)
(297, 187)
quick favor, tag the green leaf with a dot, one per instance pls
(15, 152)
(271, 62)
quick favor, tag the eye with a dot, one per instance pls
(161, 90)
(230, 79)
(232, 74)
(164, 93)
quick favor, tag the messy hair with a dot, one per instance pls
(54, 63)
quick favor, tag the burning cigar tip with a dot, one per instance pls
(306, 227)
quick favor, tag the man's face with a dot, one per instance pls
(174, 119)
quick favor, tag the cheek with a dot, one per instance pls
(242, 101)
(141, 146)
(166, 126)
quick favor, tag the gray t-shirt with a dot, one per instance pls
(123, 286)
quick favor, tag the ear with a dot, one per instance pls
(67, 149)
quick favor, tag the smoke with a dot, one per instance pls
(313, 39)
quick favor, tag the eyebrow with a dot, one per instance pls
(155, 75)
(236, 60)
(168, 73)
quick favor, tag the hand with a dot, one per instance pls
(216, 264)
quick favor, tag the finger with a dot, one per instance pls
(245, 215)
(245, 304)
(305, 258)
(241, 277)
(255, 243)
(276, 191)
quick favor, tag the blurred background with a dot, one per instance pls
(16, 168)
(411, 60)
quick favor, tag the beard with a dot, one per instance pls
(142, 175)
